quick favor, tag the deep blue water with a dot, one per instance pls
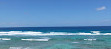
(103, 29)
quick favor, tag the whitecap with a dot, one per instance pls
(35, 39)
(15, 48)
(90, 39)
(75, 42)
(19, 48)
(5, 39)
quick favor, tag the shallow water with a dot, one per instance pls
(57, 42)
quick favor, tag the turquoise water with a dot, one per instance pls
(57, 42)
(13, 38)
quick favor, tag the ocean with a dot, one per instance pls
(84, 37)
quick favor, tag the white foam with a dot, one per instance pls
(15, 48)
(35, 39)
(51, 33)
(107, 34)
(96, 32)
(85, 39)
(19, 48)
(90, 39)
(5, 39)
(94, 39)
(84, 34)
(75, 42)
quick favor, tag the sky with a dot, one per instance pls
(48, 13)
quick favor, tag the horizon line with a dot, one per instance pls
(55, 26)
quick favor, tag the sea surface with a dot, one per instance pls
(86, 37)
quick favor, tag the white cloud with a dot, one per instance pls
(101, 8)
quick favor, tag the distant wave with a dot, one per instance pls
(51, 33)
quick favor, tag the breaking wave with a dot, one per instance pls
(50, 33)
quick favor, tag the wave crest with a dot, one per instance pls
(51, 33)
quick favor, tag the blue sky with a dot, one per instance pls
(40, 13)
